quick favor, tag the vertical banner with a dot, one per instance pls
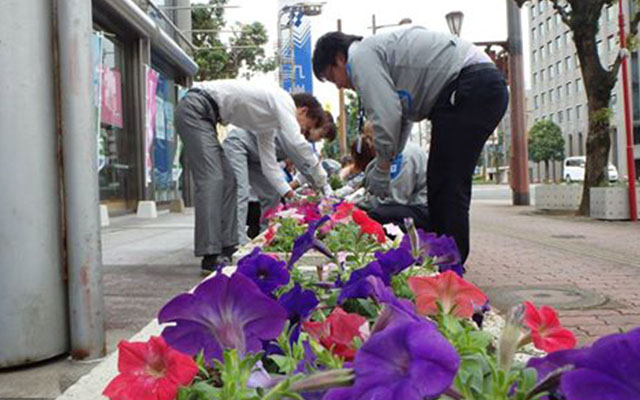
(150, 120)
(111, 110)
(96, 79)
(295, 48)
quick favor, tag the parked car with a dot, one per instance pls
(574, 169)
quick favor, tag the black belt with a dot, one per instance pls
(210, 100)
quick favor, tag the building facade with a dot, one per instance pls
(142, 66)
(557, 89)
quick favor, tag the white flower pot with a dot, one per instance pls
(611, 203)
(558, 197)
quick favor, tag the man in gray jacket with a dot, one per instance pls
(413, 74)
(242, 150)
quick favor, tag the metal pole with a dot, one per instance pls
(33, 305)
(80, 173)
(519, 155)
(279, 50)
(373, 24)
(631, 167)
(342, 119)
(292, 60)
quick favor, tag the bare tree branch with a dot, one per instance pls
(566, 18)
(615, 67)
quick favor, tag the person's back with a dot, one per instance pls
(420, 63)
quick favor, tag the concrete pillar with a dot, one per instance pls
(32, 286)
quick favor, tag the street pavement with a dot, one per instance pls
(596, 263)
(590, 269)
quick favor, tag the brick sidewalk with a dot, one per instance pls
(523, 247)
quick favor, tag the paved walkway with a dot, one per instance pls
(518, 246)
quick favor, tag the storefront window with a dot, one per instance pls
(116, 146)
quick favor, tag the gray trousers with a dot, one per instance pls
(215, 184)
(241, 148)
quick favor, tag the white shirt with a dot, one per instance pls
(263, 110)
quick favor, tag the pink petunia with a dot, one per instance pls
(455, 295)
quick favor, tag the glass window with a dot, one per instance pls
(558, 68)
(578, 112)
(560, 117)
(542, 98)
(566, 38)
(551, 117)
(535, 78)
(578, 85)
(570, 144)
(580, 144)
(614, 99)
(577, 60)
(550, 95)
(567, 64)
(568, 114)
(533, 11)
(550, 73)
(533, 33)
(599, 47)
(568, 91)
(548, 24)
(541, 6)
(549, 48)
(535, 102)
(558, 93)
(557, 43)
(534, 56)
(541, 75)
(558, 19)
(611, 13)
(540, 29)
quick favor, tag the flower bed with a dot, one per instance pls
(385, 319)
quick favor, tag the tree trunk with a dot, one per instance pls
(546, 171)
(598, 83)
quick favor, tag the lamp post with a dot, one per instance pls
(374, 27)
(308, 9)
(511, 50)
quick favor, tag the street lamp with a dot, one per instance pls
(374, 27)
(309, 9)
(454, 20)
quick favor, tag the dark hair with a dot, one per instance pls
(329, 127)
(362, 152)
(327, 49)
(314, 109)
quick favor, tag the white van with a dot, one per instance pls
(574, 169)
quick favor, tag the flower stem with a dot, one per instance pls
(324, 380)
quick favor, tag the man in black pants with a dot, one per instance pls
(409, 75)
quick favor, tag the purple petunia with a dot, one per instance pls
(299, 304)
(357, 285)
(267, 272)
(441, 249)
(222, 313)
(308, 241)
(608, 370)
(409, 360)
(395, 261)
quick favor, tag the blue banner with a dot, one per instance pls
(300, 37)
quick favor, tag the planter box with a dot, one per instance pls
(611, 203)
(558, 197)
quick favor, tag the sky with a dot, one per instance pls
(484, 20)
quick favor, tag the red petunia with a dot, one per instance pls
(338, 331)
(150, 371)
(343, 211)
(270, 234)
(369, 226)
(546, 332)
(449, 290)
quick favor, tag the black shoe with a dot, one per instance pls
(210, 263)
(229, 251)
(224, 259)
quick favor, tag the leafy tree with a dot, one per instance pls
(581, 16)
(332, 150)
(243, 51)
(546, 143)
